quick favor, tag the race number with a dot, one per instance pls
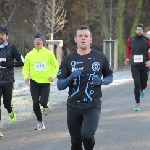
(138, 58)
(2, 59)
(40, 66)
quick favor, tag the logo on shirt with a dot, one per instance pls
(96, 66)
(73, 69)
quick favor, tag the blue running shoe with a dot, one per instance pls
(142, 93)
(137, 108)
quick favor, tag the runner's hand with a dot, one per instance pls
(126, 62)
(27, 80)
(147, 64)
(96, 80)
(75, 74)
(51, 79)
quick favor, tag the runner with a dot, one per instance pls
(8, 53)
(39, 70)
(148, 83)
(137, 51)
(81, 71)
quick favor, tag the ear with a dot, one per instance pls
(75, 39)
(90, 40)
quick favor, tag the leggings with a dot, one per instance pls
(6, 90)
(40, 96)
(82, 125)
(140, 76)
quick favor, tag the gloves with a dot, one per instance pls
(10, 65)
(96, 80)
(6, 64)
(64, 83)
(75, 74)
(105, 81)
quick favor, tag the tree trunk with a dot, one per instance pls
(40, 27)
(120, 30)
(137, 16)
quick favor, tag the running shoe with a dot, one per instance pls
(148, 84)
(12, 116)
(46, 111)
(137, 108)
(1, 135)
(142, 93)
(48, 103)
(40, 126)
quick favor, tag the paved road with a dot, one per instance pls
(120, 128)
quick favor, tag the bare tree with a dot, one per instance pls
(5, 21)
(54, 17)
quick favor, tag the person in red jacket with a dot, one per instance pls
(148, 82)
(137, 53)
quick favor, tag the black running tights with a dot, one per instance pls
(82, 125)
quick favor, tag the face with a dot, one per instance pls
(83, 39)
(38, 43)
(3, 38)
(148, 35)
(139, 31)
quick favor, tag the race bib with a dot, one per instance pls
(40, 66)
(138, 58)
(2, 59)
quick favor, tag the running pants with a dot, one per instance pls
(6, 90)
(82, 125)
(40, 96)
(140, 76)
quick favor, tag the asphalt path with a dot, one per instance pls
(120, 128)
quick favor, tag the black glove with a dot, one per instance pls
(6, 64)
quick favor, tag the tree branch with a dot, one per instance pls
(6, 21)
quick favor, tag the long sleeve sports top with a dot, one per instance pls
(40, 65)
(9, 58)
(137, 50)
(82, 88)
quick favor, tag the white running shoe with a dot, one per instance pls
(46, 111)
(40, 126)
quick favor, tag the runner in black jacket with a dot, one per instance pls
(8, 53)
(137, 52)
(81, 71)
